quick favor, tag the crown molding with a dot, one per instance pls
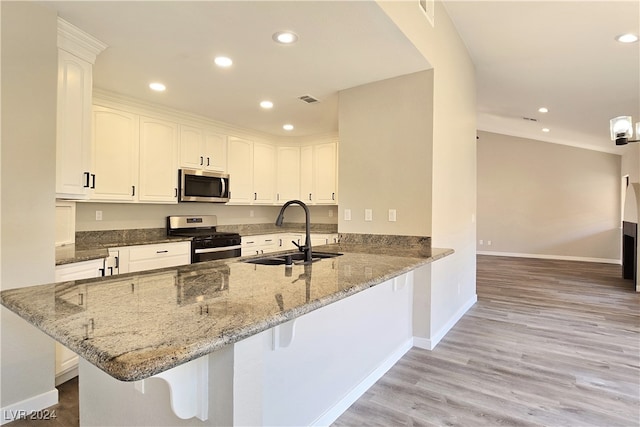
(77, 42)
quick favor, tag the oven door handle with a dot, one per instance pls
(220, 249)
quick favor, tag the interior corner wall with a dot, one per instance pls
(548, 200)
(29, 81)
(385, 155)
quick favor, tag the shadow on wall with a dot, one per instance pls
(631, 203)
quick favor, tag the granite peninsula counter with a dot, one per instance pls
(133, 326)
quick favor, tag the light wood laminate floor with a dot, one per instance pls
(549, 343)
(553, 343)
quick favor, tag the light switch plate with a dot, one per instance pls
(392, 215)
(347, 214)
(368, 215)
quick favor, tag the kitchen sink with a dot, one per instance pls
(292, 258)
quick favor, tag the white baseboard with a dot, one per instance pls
(557, 257)
(23, 408)
(431, 343)
(63, 377)
(338, 409)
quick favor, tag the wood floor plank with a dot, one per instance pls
(549, 343)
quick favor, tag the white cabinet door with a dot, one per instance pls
(240, 169)
(115, 154)
(306, 174)
(214, 151)
(326, 173)
(191, 140)
(264, 173)
(158, 161)
(288, 174)
(73, 138)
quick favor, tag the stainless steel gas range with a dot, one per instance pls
(207, 243)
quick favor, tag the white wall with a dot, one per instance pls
(453, 176)
(538, 198)
(29, 77)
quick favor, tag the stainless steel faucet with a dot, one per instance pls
(307, 244)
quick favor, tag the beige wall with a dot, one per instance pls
(123, 216)
(538, 198)
(29, 76)
(385, 155)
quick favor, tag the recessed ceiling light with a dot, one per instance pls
(266, 104)
(543, 110)
(158, 87)
(223, 61)
(285, 37)
(545, 129)
(287, 127)
(627, 38)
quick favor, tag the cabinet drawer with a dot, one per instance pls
(148, 257)
(144, 252)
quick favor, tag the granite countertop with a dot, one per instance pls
(135, 325)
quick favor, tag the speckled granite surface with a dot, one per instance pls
(136, 325)
(71, 253)
(270, 228)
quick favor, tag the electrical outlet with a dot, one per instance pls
(347, 214)
(98, 215)
(481, 242)
(489, 242)
(368, 215)
(330, 213)
(251, 213)
(392, 215)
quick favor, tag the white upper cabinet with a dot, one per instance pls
(306, 174)
(264, 173)
(158, 161)
(202, 149)
(76, 54)
(115, 154)
(319, 173)
(326, 173)
(240, 169)
(288, 174)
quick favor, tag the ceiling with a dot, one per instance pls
(341, 45)
(528, 54)
(558, 54)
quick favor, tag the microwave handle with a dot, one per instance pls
(224, 187)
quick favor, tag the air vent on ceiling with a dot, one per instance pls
(530, 119)
(308, 99)
(428, 7)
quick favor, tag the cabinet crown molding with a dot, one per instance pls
(77, 42)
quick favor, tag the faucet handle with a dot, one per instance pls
(300, 247)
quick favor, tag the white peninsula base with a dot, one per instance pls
(303, 372)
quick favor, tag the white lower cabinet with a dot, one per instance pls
(148, 257)
(266, 243)
(261, 244)
(66, 360)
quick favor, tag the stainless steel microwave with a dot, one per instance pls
(202, 186)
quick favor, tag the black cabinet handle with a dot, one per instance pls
(333, 196)
(86, 177)
(162, 252)
(133, 190)
(201, 160)
(255, 196)
(93, 181)
(208, 164)
(176, 192)
(309, 196)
